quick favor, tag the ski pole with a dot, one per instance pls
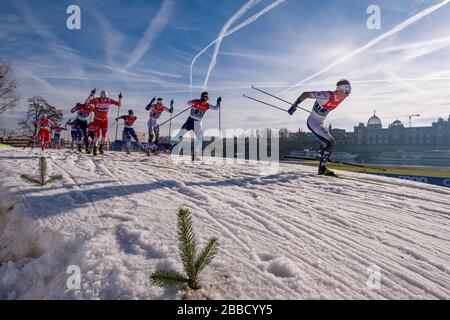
(170, 129)
(273, 96)
(117, 122)
(174, 116)
(267, 104)
(170, 120)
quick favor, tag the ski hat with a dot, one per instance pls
(103, 94)
(204, 96)
(160, 100)
(344, 85)
(131, 112)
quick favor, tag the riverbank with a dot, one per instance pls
(431, 175)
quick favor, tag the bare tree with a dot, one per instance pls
(8, 85)
(37, 107)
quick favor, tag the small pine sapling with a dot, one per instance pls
(193, 264)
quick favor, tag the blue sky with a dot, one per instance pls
(145, 49)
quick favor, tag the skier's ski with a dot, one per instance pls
(331, 161)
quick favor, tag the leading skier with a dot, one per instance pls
(326, 101)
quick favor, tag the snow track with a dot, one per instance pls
(289, 235)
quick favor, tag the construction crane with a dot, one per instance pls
(410, 117)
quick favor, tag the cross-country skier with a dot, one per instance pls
(57, 129)
(194, 122)
(91, 135)
(129, 121)
(44, 124)
(31, 142)
(156, 110)
(73, 132)
(101, 107)
(326, 101)
(81, 124)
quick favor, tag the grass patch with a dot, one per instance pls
(419, 172)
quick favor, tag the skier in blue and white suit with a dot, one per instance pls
(326, 101)
(194, 122)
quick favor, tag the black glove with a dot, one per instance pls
(292, 109)
(171, 106)
(150, 104)
(93, 92)
(120, 96)
(219, 100)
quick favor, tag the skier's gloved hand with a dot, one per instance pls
(294, 106)
(219, 100)
(147, 108)
(171, 106)
(93, 92)
(292, 109)
(120, 96)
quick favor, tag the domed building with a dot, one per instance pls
(396, 124)
(370, 139)
(374, 122)
(374, 136)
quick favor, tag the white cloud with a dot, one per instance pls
(230, 32)
(112, 39)
(54, 43)
(246, 7)
(154, 29)
(410, 21)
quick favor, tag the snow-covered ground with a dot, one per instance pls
(285, 235)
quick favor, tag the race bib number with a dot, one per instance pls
(197, 113)
(320, 110)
